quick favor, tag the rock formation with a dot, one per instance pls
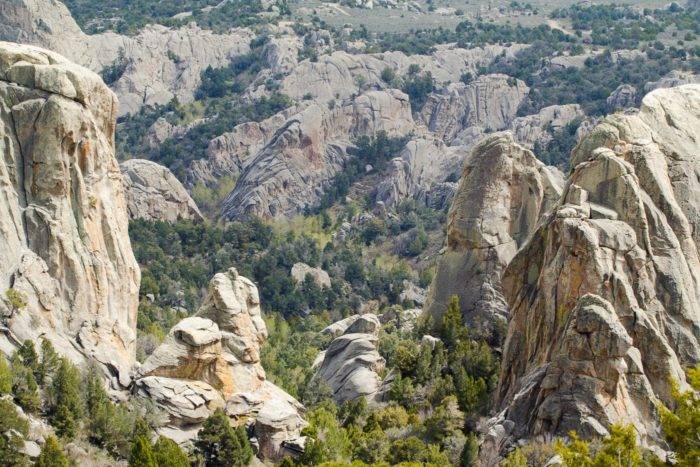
(300, 271)
(489, 102)
(503, 193)
(64, 242)
(336, 75)
(153, 193)
(605, 296)
(212, 360)
(351, 364)
(623, 97)
(538, 129)
(158, 63)
(302, 157)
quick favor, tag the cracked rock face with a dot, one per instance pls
(153, 193)
(351, 364)
(605, 296)
(503, 193)
(212, 360)
(306, 152)
(63, 218)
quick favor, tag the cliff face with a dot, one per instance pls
(605, 297)
(63, 217)
(503, 193)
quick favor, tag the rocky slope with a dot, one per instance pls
(604, 298)
(503, 193)
(212, 360)
(156, 65)
(153, 193)
(292, 169)
(63, 217)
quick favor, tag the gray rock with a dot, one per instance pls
(153, 193)
(301, 270)
(623, 97)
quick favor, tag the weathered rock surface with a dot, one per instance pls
(212, 360)
(604, 297)
(335, 76)
(351, 364)
(153, 193)
(490, 102)
(292, 169)
(672, 79)
(63, 218)
(623, 97)
(503, 193)
(159, 63)
(538, 129)
(300, 271)
(421, 172)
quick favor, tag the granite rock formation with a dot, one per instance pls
(604, 298)
(212, 360)
(63, 217)
(153, 193)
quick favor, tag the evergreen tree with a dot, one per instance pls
(52, 455)
(219, 444)
(28, 356)
(5, 376)
(168, 454)
(48, 364)
(682, 426)
(452, 330)
(470, 451)
(13, 429)
(65, 402)
(24, 386)
(142, 453)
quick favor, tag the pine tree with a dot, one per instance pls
(13, 429)
(5, 376)
(27, 354)
(452, 330)
(142, 453)
(48, 364)
(168, 454)
(52, 455)
(65, 403)
(470, 451)
(220, 444)
(24, 386)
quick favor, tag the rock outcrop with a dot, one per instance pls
(156, 65)
(300, 271)
(63, 218)
(212, 360)
(605, 296)
(538, 129)
(336, 75)
(351, 364)
(490, 102)
(623, 97)
(503, 193)
(422, 171)
(291, 171)
(153, 193)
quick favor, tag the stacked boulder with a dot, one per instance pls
(212, 360)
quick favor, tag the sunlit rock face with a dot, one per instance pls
(63, 218)
(604, 299)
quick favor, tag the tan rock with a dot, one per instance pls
(608, 285)
(503, 194)
(63, 217)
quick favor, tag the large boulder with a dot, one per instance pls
(503, 193)
(153, 193)
(292, 169)
(351, 364)
(605, 296)
(212, 360)
(63, 218)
